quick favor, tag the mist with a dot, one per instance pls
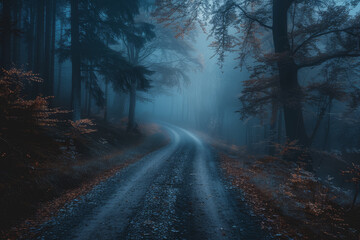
(169, 119)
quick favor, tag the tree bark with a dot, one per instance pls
(131, 122)
(87, 91)
(88, 108)
(328, 128)
(59, 77)
(53, 45)
(49, 85)
(120, 100)
(288, 74)
(39, 44)
(280, 120)
(30, 37)
(106, 100)
(17, 16)
(273, 124)
(76, 61)
(6, 34)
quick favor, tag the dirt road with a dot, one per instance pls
(177, 192)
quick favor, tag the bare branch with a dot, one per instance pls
(315, 61)
(252, 18)
(316, 35)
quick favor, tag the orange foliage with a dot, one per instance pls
(18, 112)
(83, 126)
(354, 173)
(293, 202)
(27, 115)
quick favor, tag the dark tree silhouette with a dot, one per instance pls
(281, 35)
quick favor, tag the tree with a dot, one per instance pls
(286, 35)
(94, 25)
(75, 60)
(31, 23)
(17, 22)
(131, 76)
(6, 31)
(151, 46)
(49, 40)
(39, 37)
(29, 34)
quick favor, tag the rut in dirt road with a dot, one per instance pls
(174, 193)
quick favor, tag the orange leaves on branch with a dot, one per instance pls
(19, 76)
(83, 126)
(181, 16)
(16, 110)
(288, 147)
(353, 173)
(12, 83)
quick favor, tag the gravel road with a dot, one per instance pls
(177, 192)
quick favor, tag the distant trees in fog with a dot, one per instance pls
(303, 55)
(106, 42)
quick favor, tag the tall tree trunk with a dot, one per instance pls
(30, 37)
(6, 34)
(17, 16)
(280, 120)
(121, 101)
(48, 51)
(328, 128)
(273, 123)
(87, 90)
(39, 43)
(59, 80)
(106, 100)
(53, 39)
(86, 97)
(132, 105)
(76, 60)
(89, 102)
(288, 74)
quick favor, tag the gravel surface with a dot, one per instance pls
(177, 192)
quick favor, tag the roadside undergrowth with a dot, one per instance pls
(47, 160)
(292, 202)
(76, 170)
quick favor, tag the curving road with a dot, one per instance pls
(174, 193)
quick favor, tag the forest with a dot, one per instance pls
(180, 119)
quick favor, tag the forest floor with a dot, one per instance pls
(294, 203)
(176, 192)
(174, 185)
(51, 175)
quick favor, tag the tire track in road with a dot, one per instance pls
(217, 212)
(177, 192)
(109, 221)
(158, 219)
(104, 212)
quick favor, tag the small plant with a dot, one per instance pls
(19, 113)
(80, 127)
(28, 117)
